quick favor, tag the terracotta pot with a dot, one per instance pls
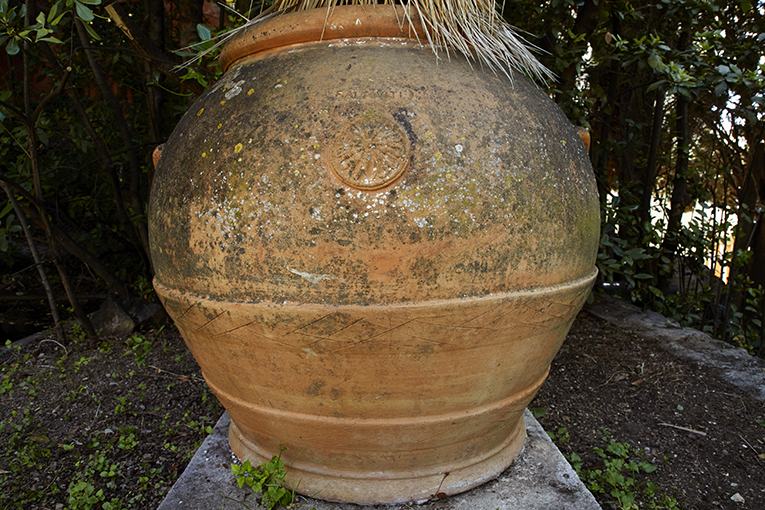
(374, 254)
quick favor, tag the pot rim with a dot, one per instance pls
(321, 25)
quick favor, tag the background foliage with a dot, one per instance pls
(671, 91)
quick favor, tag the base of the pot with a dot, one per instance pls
(388, 488)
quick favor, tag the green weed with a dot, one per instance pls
(266, 479)
(622, 477)
(80, 363)
(538, 412)
(561, 436)
(140, 347)
(127, 440)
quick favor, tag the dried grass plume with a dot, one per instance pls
(472, 27)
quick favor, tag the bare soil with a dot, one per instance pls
(608, 379)
(68, 418)
(123, 419)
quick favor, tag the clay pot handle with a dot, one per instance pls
(156, 154)
(585, 136)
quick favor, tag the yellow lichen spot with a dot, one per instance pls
(204, 154)
(220, 125)
(223, 102)
(438, 156)
(200, 112)
(239, 160)
(238, 148)
(250, 92)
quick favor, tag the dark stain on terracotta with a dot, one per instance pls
(425, 271)
(402, 117)
(314, 389)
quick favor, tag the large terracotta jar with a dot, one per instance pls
(372, 252)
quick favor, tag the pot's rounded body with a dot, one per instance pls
(373, 254)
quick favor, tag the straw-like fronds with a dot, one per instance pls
(472, 27)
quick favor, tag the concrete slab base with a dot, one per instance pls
(540, 478)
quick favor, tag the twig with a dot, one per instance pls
(35, 253)
(52, 94)
(749, 444)
(614, 375)
(591, 358)
(162, 370)
(684, 428)
(66, 352)
(163, 62)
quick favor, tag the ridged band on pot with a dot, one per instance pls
(374, 255)
(378, 403)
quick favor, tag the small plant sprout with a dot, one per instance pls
(266, 479)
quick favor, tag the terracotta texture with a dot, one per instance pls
(374, 254)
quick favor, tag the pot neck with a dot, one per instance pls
(321, 25)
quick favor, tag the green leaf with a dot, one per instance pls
(637, 253)
(12, 48)
(538, 412)
(43, 136)
(204, 32)
(91, 31)
(43, 32)
(83, 12)
(53, 11)
(655, 61)
(721, 88)
(6, 209)
(685, 92)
